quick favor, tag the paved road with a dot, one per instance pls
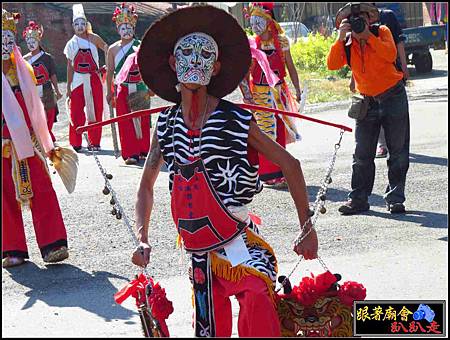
(395, 257)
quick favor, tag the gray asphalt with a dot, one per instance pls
(395, 257)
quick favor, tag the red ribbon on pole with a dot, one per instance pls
(140, 113)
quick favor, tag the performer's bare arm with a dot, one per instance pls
(110, 66)
(69, 77)
(55, 86)
(292, 171)
(144, 203)
(293, 73)
(244, 86)
(99, 42)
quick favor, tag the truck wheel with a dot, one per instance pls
(423, 62)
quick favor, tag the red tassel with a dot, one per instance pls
(194, 107)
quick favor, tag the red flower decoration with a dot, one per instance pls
(199, 276)
(161, 306)
(351, 291)
(324, 281)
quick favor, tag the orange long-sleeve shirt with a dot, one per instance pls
(376, 73)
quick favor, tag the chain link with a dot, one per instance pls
(318, 205)
(116, 205)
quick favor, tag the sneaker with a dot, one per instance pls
(351, 208)
(57, 255)
(94, 147)
(131, 161)
(396, 208)
(77, 148)
(12, 261)
(270, 182)
(381, 152)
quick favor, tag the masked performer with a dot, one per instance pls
(44, 71)
(25, 143)
(84, 87)
(209, 145)
(266, 86)
(132, 93)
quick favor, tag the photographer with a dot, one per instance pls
(370, 51)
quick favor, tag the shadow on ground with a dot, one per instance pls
(424, 159)
(424, 218)
(60, 285)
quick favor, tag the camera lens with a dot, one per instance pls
(357, 24)
(419, 315)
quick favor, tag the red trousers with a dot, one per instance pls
(51, 113)
(78, 116)
(267, 169)
(131, 146)
(47, 219)
(257, 314)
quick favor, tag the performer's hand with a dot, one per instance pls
(405, 72)
(109, 97)
(141, 255)
(352, 85)
(68, 92)
(58, 95)
(308, 247)
(50, 154)
(249, 101)
(298, 93)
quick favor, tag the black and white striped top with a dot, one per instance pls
(231, 164)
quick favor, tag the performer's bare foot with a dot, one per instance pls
(12, 261)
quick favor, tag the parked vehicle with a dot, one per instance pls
(289, 28)
(418, 42)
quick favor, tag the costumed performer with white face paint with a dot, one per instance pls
(26, 142)
(84, 87)
(131, 93)
(193, 57)
(266, 86)
(45, 72)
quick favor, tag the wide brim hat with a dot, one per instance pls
(367, 7)
(160, 39)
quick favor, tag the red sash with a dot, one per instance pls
(203, 221)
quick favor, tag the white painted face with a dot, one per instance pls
(195, 55)
(8, 43)
(126, 31)
(32, 43)
(79, 25)
(258, 24)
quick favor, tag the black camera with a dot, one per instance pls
(357, 22)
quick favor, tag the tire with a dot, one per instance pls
(423, 62)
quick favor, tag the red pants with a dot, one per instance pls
(257, 314)
(51, 113)
(131, 146)
(267, 169)
(47, 219)
(78, 116)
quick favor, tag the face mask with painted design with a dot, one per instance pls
(195, 55)
(126, 31)
(32, 43)
(8, 43)
(79, 26)
(258, 24)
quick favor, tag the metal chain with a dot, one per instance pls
(318, 206)
(116, 205)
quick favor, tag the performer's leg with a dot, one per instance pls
(77, 115)
(47, 218)
(128, 141)
(13, 233)
(51, 113)
(95, 135)
(257, 315)
(222, 308)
